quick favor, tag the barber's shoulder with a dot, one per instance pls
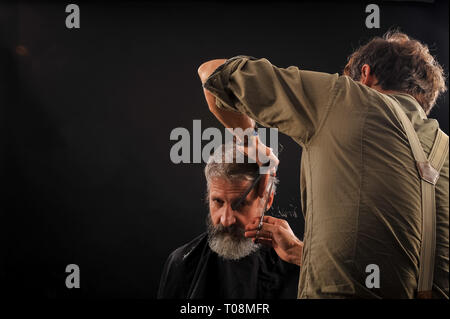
(355, 94)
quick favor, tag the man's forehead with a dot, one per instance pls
(222, 185)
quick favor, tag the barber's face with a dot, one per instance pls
(223, 193)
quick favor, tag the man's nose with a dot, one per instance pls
(227, 218)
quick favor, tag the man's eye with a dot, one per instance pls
(242, 205)
(218, 201)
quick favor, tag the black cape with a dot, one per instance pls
(194, 271)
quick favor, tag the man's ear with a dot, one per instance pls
(366, 77)
(263, 184)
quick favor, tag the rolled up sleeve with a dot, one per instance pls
(294, 101)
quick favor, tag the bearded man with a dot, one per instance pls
(226, 261)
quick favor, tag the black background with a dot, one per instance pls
(86, 116)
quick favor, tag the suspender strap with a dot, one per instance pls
(428, 169)
(436, 160)
(439, 151)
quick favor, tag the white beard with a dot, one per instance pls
(229, 242)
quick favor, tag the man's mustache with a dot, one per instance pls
(234, 230)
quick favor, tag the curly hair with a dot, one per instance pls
(402, 64)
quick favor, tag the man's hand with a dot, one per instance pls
(278, 234)
(263, 155)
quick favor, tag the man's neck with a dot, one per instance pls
(379, 89)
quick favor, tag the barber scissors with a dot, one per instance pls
(264, 211)
(239, 201)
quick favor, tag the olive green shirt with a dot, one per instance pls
(360, 189)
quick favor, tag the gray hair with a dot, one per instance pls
(225, 163)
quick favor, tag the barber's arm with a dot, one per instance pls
(227, 118)
(234, 119)
(293, 100)
(238, 101)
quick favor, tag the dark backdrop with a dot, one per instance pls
(86, 116)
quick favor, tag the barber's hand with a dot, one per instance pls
(263, 155)
(278, 234)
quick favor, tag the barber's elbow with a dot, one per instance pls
(202, 69)
(207, 68)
